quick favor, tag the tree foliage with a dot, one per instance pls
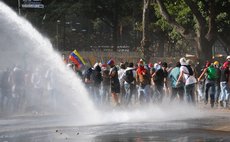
(193, 20)
(119, 22)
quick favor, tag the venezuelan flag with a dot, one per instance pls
(76, 58)
(79, 56)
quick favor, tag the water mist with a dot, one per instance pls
(46, 85)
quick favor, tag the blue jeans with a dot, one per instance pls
(146, 92)
(159, 93)
(179, 91)
(105, 94)
(190, 93)
(128, 92)
(210, 88)
(224, 95)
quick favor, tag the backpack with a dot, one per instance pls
(129, 78)
(212, 73)
(190, 71)
(97, 77)
(159, 77)
(87, 74)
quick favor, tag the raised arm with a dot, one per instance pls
(202, 74)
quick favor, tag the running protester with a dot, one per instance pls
(224, 87)
(176, 88)
(186, 75)
(217, 83)
(209, 82)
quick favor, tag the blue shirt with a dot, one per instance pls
(173, 76)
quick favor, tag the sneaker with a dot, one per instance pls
(212, 104)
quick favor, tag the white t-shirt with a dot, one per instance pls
(123, 75)
(188, 79)
(120, 73)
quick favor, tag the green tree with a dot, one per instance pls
(195, 21)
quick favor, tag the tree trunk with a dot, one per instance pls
(204, 49)
(161, 48)
(145, 42)
(204, 40)
(205, 35)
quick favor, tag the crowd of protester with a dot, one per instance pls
(24, 90)
(126, 84)
(129, 84)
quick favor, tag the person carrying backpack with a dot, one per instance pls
(129, 82)
(211, 77)
(187, 76)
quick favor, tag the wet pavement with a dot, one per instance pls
(213, 128)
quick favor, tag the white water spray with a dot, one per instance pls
(52, 85)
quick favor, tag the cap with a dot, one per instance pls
(150, 65)
(103, 65)
(183, 61)
(141, 62)
(226, 65)
(216, 63)
(110, 62)
(228, 57)
(157, 66)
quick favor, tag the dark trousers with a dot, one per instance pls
(210, 89)
(179, 91)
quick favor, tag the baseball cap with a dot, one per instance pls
(110, 62)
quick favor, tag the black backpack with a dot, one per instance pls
(190, 71)
(129, 78)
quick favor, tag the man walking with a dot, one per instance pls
(114, 81)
